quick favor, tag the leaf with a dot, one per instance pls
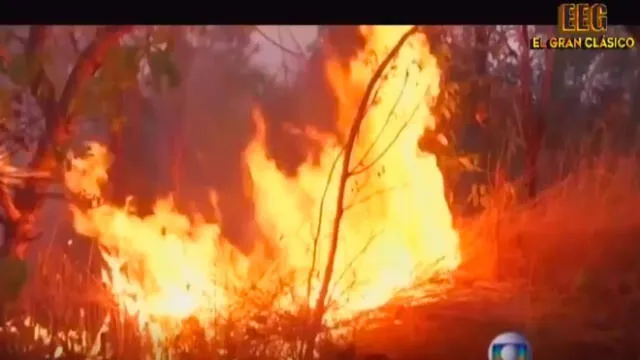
(13, 277)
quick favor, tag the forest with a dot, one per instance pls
(316, 192)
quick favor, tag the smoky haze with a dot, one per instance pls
(190, 140)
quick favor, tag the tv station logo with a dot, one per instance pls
(510, 346)
(582, 26)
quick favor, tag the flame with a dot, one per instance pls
(397, 226)
(396, 229)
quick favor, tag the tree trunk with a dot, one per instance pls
(20, 209)
(530, 121)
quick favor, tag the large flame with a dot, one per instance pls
(396, 229)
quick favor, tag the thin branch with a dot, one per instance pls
(299, 46)
(386, 123)
(349, 145)
(371, 196)
(354, 260)
(40, 86)
(276, 44)
(316, 237)
(74, 41)
(14, 36)
(365, 167)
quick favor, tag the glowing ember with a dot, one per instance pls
(397, 229)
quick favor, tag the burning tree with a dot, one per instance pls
(52, 99)
(58, 108)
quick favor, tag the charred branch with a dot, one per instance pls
(346, 173)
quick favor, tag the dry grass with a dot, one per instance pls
(67, 313)
(562, 269)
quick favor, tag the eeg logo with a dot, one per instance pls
(509, 346)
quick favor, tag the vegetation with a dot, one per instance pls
(542, 178)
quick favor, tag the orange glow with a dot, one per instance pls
(397, 228)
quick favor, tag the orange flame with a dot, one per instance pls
(396, 230)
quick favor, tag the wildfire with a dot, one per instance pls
(396, 230)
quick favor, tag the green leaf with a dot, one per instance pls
(13, 277)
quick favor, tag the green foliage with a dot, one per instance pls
(13, 276)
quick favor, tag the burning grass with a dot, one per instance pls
(565, 276)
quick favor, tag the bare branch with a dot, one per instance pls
(74, 41)
(299, 46)
(384, 126)
(277, 44)
(320, 307)
(14, 36)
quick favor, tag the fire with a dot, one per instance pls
(397, 226)
(396, 230)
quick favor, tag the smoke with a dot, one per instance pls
(211, 114)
